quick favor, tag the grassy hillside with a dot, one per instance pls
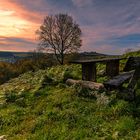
(133, 53)
(39, 106)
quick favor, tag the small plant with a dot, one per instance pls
(80, 91)
(102, 100)
(67, 74)
(10, 97)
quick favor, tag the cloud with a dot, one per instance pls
(17, 44)
(112, 25)
(82, 3)
(28, 10)
(107, 21)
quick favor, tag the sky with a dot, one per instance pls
(108, 26)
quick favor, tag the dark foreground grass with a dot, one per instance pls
(61, 112)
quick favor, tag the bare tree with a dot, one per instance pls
(60, 35)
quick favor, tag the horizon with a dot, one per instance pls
(108, 27)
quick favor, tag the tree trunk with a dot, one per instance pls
(62, 53)
(62, 58)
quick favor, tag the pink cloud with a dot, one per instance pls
(22, 11)
(17, 44)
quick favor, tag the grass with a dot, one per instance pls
(39, 106)
(63, 113)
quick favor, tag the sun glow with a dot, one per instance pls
(11, 25)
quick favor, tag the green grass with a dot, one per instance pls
(39, 106)
(63, 113)
(133, 53)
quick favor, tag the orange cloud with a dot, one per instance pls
(20, 10)
(16, 21)
(13, 22)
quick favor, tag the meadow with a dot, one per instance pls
(38, 105)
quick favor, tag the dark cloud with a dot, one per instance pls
(19, 44)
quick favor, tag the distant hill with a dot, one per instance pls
(92, 55)
(6, 54)
(13, 56)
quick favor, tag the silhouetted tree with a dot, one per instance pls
(60, 35)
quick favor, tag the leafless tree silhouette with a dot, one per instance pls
(60, 35)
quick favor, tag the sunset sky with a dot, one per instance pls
(108, 26)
